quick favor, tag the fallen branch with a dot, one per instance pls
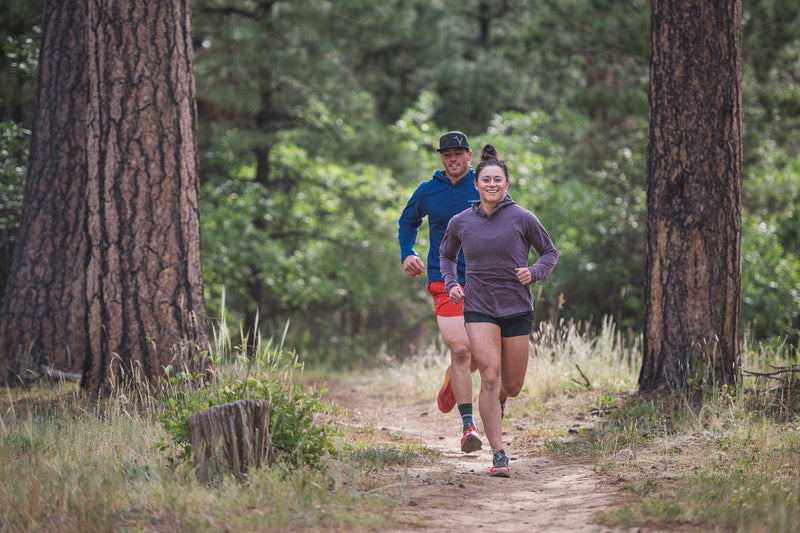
(779, 371)
(58, 375)
(585, 379)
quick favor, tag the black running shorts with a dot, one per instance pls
(510, 326)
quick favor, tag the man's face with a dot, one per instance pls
(456, 162)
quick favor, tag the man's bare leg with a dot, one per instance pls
(455, 337)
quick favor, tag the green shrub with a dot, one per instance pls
(256, 372)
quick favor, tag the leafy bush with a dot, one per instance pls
(770, 249)
(256, 372)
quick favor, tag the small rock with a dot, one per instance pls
(626, 455)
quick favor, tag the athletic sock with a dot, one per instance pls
(466, 414)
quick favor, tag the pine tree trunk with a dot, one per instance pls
(694, 173)
(144, 276)
(107, 275)
(44, 306)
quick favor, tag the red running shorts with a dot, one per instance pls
(441, 300)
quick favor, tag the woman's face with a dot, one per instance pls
(492, 184)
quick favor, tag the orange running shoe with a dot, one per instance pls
(471, 442)
(446, 400)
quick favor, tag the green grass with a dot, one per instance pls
(724, 461)
(67, 467)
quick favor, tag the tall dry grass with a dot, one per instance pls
(727, 461)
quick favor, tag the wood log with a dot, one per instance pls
(231, 438)
(59, 375)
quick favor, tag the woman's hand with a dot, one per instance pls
(456, 294)
(524, 275)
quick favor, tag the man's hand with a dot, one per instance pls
(413, 265)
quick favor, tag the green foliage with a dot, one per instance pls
(19, 61)
(770, 249)
(577, 156)
(316, 251)
(316, 121)
(595, 216)
(769, 65)
(23, 53)
(258, 372)
(13, 160)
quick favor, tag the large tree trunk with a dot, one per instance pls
(44, 302)
(144, 276)
(107, 268)
(694, 173)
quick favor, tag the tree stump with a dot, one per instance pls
(231, 438)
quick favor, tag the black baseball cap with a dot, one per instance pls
(453, 139)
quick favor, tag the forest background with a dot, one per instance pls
(317, 120)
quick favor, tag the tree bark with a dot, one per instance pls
(694, 175)
(144, 276)
(231, 438)
(107, 275)
(44, 301)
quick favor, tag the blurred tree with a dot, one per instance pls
(272, 67)
(41, 321)
(320, 259)
(771, 255)
(586, 69)
(19, 40)
(771, 246)
(13, 161)
(694, 190)
(281, 96)
(771, 62)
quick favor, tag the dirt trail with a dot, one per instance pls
(456, 493)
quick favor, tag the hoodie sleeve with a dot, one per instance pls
(540, 240)
(448, 256)
(409, 223)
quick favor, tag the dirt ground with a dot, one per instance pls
(455, 492)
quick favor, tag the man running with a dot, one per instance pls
(447, 193)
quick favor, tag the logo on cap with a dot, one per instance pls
(453, 139)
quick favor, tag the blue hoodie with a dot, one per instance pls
(439, 200)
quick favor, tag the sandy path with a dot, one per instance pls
(455, 493)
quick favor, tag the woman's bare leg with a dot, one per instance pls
(486, 344)
(514, 365)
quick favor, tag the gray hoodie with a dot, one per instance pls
(493, 246)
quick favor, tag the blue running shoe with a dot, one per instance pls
(499, 465)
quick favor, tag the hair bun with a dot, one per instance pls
(488, 152)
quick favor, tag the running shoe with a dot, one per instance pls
(470, 442)
(499, 465)
(446, 400)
